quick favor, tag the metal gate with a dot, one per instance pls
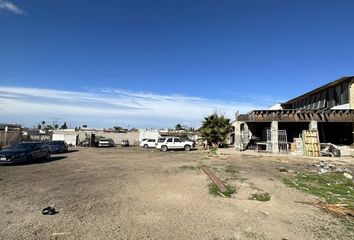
(282, 141)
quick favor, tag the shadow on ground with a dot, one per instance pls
(72, 150)
(44, 160)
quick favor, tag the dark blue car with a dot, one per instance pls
(58, 146)
(24, 152)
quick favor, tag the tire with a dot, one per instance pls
(187, 147)
(164, 148)
(146, 146)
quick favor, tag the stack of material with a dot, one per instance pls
(298, 146)
(311, 143)
(346, 151)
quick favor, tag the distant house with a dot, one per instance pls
(10, 127)
(10, 134)
(328, 109)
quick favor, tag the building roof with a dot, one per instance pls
(10, 126)
(301, 115)
(319, 89)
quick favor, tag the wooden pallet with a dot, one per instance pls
(311, 143)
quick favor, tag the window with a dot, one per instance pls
(177, 140)
(151, 140)
(161, 140)
(169, 140)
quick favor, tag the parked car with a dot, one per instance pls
(24, 152)
(125, 143)
(106, 142)
(172, 143)
(148, 143)
(58, 146)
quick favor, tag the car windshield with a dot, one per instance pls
(57, 142)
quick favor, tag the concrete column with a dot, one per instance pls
(313, 126)
(245, 136)
(351, 95)
(238, 142)
(274, 137)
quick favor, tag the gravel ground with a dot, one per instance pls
(130, 193)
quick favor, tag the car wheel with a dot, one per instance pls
(187, 147)
(146, 146)
(164, 148)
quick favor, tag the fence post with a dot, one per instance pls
(6, 136)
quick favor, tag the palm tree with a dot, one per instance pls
(215, 129)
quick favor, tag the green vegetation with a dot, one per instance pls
(348, 224)
(64, 126)
(215, 129)
(189, 167)
(263, 197)
(233, 173)
(213, 189)
(213, 152)
(179, 127)
(282, 170)
(232, 169)
(118, 128)
(332, 187)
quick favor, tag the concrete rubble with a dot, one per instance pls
(323, 167)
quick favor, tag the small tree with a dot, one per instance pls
(178, 127)
(118, 128)
(39, 126)
(215, 129)
(64, 126)
(56, 126)
(49, 127)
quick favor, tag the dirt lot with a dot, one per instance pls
(131, 193)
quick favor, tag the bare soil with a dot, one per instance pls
(130, 193)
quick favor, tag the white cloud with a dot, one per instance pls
(9, 6)
(109, 107)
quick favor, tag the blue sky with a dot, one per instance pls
(156, 63)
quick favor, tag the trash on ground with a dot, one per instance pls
(61, 233)
(49, 211)
(324, 167)
(215, 179)
(335, 209)
(330, 150)
(348, 175)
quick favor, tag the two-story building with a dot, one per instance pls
(328, 109)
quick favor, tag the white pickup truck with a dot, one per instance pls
(171, 143)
